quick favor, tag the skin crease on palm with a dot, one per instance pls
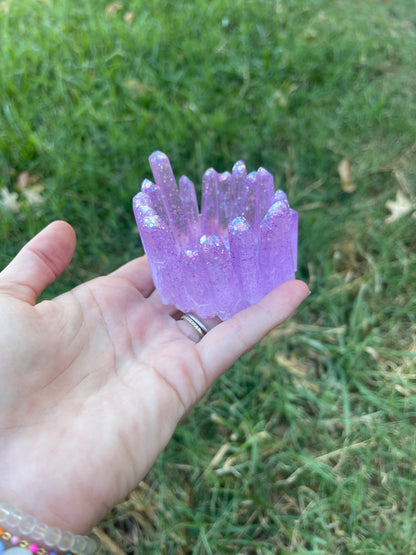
(94, 382)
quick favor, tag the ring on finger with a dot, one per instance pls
(197, 325)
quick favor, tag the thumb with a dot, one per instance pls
(39, 262)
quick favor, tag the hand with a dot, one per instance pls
(94, 382)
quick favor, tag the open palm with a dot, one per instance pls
(94, 382)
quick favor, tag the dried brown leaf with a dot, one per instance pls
(33, 195)
(345, 173)
(9, 200)
(398, 207)
(113, 8)
(128, 17)
(25, 179)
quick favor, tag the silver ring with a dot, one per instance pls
(198, 326)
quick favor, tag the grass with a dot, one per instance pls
(307, 445)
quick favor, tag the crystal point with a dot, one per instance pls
(242, 246)
(215, 262)
(190, 209)
(155, 197)
(209, 203)
(166, 182)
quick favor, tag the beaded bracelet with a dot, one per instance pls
(22, 535)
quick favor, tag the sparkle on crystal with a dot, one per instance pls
(218, 261)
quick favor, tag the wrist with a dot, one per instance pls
(34, 538)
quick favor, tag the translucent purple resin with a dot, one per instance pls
(218, 261)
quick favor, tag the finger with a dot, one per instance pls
(39, 262)
(161, 307)
(224, 344)
(138, 273)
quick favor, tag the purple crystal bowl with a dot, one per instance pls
(217, 261)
